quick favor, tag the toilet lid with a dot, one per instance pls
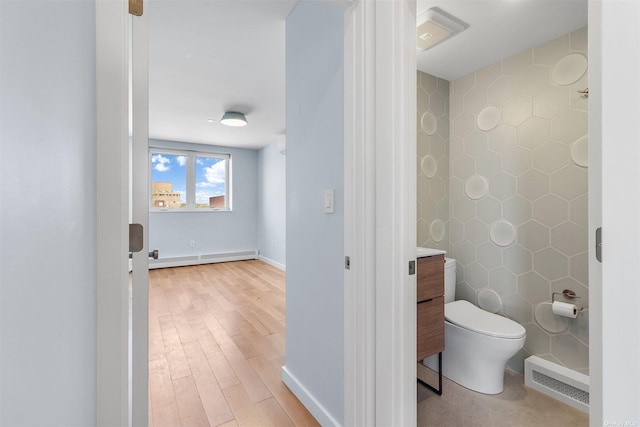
(468, 316)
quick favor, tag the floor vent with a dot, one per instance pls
(557, 381)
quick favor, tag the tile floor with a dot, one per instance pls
(516, 406)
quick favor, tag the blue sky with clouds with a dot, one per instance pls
(210, 175)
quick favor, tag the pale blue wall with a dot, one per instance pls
(271, 204)
(315, 242)
(47, 213)
(213, 232)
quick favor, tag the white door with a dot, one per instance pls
(140, 215)
(121, 83)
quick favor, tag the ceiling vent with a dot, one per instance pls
(435, 25)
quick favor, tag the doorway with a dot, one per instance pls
(112, 398)
(206, 60)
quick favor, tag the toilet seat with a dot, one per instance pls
(466, 315)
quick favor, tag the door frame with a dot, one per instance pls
(359, 228)
(614, 155)
(380, 213)
(381, 245)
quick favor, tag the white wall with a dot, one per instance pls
(271, 205)
(213, 232)
(47, 224)
(315, 240)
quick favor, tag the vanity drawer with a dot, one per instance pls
(430, 329)
(430, 280)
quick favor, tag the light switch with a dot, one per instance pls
(328, 201)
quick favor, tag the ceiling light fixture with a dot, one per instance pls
(434, 26)
(233, 118)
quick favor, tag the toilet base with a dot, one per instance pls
(491, 383)
(475, 361)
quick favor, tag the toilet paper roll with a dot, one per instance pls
(564, 309)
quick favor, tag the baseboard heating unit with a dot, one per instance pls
(182, 261)
(559, 382)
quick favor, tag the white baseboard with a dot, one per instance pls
(182, 261)
(300, 391)
(276, 264)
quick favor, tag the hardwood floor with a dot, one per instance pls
(216, 346)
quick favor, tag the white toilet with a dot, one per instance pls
(477, 343)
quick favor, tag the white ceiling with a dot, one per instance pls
(207, 57)
(497, 29)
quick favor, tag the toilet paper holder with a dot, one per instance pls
(567, 293)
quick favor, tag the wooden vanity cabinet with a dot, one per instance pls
(430, 297)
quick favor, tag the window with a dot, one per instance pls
(183, 180)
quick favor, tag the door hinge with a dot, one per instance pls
(135, 7)
(347, 263)
(136, 237)
(599, 244)
(412, 267)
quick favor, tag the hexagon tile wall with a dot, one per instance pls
(517, 187)
(433, 162)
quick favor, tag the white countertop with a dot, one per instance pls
(425, 252)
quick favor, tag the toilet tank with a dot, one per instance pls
(449, 280)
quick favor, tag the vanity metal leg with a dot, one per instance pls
(438, 391)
